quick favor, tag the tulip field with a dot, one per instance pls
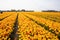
(30, 26)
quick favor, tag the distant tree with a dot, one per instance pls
(30, 11)
(18, 10)
(23, 10)
(13, 10)
(1, 12)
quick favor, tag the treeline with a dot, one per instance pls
(13, 10)
(50, 11)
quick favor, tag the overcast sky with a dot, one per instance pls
(30, 4)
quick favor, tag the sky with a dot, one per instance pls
(30, 4)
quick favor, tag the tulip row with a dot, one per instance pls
(29, 30)
(5, 14)
(50, 25)
(6, 26)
